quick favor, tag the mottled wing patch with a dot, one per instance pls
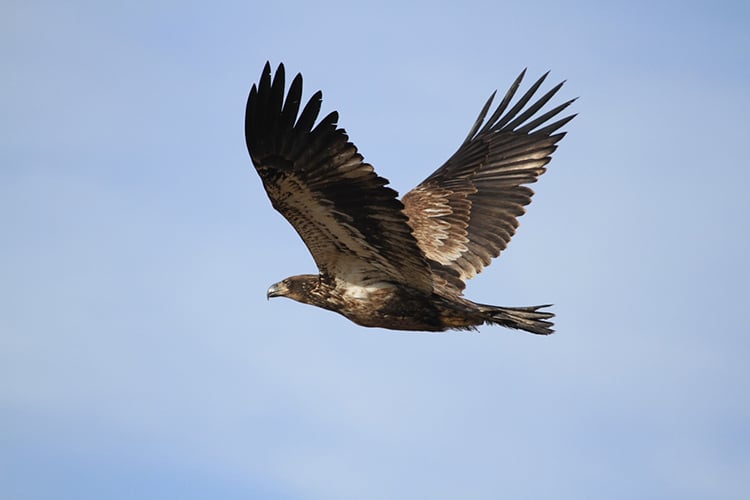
(466, 212)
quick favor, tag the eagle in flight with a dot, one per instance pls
(401, 264)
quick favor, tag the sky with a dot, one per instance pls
(139, 357)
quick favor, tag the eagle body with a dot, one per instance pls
(390, 263)
(382, 304)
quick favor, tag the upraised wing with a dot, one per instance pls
(466, 212)
(353, 225)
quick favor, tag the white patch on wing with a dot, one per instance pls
(359, 282)
(363, 292)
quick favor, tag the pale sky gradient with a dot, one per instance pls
(139, 357)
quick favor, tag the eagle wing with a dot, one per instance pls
(466, 212)
(353, 225)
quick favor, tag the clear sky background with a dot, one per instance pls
(139, 357)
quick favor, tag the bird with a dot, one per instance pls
(401, 264)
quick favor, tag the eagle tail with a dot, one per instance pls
(530, 318)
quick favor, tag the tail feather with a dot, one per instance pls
(530, 319)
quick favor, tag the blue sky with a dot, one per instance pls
(139, 357)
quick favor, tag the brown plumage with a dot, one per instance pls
(400, 264)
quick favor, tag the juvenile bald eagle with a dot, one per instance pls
(400, 264)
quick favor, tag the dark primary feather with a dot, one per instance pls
(466, 212)
(353, 225)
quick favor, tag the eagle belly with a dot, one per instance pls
(395, 307)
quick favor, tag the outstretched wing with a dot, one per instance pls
(353, 225)
(466, 212)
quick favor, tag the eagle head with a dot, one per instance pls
(297, 288)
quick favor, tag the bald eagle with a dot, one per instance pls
(390, 263)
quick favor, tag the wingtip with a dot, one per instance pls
(268, 71)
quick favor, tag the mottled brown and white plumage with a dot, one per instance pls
(403, 264)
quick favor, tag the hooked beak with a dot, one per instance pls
(276, 290)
